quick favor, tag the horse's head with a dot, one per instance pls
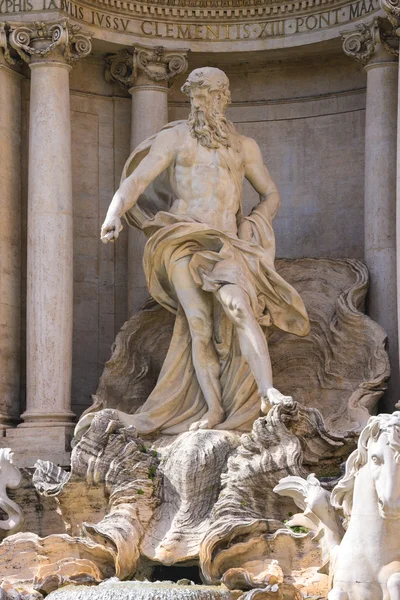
(384, 463)
(378, 450)
(10, 475)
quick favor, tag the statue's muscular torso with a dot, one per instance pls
(208, 182)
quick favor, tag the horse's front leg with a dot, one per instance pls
(353, 590)
(393, 586)
(337, 593)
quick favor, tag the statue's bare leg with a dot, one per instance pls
(197, 306)
(253, 344)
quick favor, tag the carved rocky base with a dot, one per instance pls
(202, 498)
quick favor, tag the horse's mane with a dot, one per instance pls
(342, 494)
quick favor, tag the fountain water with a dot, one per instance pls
(139, 590)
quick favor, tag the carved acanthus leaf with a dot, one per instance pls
(40, 40)
(362, 43)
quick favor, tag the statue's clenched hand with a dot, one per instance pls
(111, 229)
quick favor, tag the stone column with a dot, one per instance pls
(10, 233)
(50, 49)
(371, 44)
(146, 73)
(392, 9)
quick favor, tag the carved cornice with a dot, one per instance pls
(41, 41)
(159, 64)
(369, 38)
(203, 10)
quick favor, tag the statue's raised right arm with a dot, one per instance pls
(161, 155)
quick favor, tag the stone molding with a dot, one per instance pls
(160, 65)
(250, 11)
(375, 40)
(49, 41)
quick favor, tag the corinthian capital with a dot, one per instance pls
(159, 64)
(55, 40)
(376, 39)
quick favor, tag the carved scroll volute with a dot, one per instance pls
(121, 69)
(360, 44)
(376, 38)
(51, 40)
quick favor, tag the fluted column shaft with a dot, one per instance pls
(50, 253)
(374, 50)
(380, 206)
(49, 48)
(10, 241)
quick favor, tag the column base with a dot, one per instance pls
(7, 421)
(52, 443)
(47, 419)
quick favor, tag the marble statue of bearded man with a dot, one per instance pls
(208, 264)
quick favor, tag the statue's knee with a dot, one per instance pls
(239, 309)
(338, 594)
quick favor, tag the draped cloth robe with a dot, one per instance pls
(216, 259)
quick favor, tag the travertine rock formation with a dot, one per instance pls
(206, 496)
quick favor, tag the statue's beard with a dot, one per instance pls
(210, 128)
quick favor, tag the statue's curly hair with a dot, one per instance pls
(210, 77)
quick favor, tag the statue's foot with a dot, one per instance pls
(273, 397)
(209, 421)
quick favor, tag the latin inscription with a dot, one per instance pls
(204, 32)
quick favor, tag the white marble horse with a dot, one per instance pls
(365, 560)
(10, 477)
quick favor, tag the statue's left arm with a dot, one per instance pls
(258, 175)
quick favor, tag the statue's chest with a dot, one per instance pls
(196, 155)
